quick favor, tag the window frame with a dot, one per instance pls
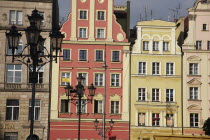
(166, 47)
(145, 45)
(193, 93)
(157, 71)
(154, 94)
(115, 80)
(83, 36)
(61, 76)
(96, 55)
(101, 35)
(12, 111)
(198, 45)
(16, 20)
(67, 54)
(86, 77)
(119, 60)
(85, 109)
(97, 13)
(156, 119)
(169, 116)
(142, 95)
(194, 124)
(204, 28)
(208, 45)
(193, 69)
(155, 45)
(99, 110)
(13, 74)
(82, 17)
(35, 107)
(98, 85)
(68, 105)
(169, 94)
(40, 75)
(115, 107)
(79, 55)
(170, 71)
(143, 65)
(141, 114)
(9, 51)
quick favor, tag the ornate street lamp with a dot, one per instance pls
(100, 130)
(36, 57)
(77, 94)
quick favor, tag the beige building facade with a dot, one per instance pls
(15, 77)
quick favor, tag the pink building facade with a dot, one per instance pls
(93, 39)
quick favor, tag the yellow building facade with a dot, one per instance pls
(155, 81)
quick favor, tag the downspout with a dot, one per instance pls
(182, 102)
(130, 52)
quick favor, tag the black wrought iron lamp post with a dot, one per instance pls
(36, 58)
(100, 130)
(77, 94)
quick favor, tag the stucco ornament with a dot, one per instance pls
(83, 1)
(120, 37)
(100, 1)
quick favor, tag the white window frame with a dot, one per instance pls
(115, 107)
(83, 106)
(100, 35)
(119, 55)
(13, 106)
(142, 94)
(198, 45)
(16, 20)
(169, 93)
(83, 31)
(99, 106)
(13, 73)
(156, 119)
(68, 59)
(84, 17)
(97, 60)
(114, 82)
(100, 16)
(35, 107)
(65, 76)
(155, 46)
(165, 46)
(193, 92)
(193, 68)
(156, 69)
(145, 45)
(169, 68)
(98, 80)
(85, 75)
(83, 59)
(142, 68)
(194, 123)
(39, 71)
(155, 91)
(43, 15)
(20, 48)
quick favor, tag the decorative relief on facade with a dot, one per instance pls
(194, 58)
(83, 1)
(194, 107)
(194, 81)
(115, 97)
(120, 37)
(100, 1)
(192, 17)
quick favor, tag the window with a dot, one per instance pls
(142, 94)
(99, 79)
(193, 68)
(198, 45)
(82, 32)
(83, 14)
(194, 93)
(16, 17)
(14, 73)
(169, 120)
(155, 46)
(12, 110)
(169, 95)
(10, 136)
(18, 51)
(194, 120)
(115, 80)
(98, 106)
(145, 45)
(101, 15)
(99, 55)
(82, 55)
(155, 94)
(208, 45)
(155, 68)
(142, 67)
(65, 78)
(165, 46)
(37, 108)
(155, 119)
(100, 33)
(86, 78)
(169, 68)
(42, 14)
(83, 106)
(114, 107)
(115, 56)
(40, 75)
(141, 117)
(64, 106)
(204, 27)
(66, 55)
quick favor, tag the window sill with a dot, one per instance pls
(170, 102)
(155, 126)
(146, 50)
(191, 75)
(97, 114)
(116, 62)
(99, 86)
(114, 87)
(156, 101)
(16, 24)
(194, 100)
(166, 51)
(112, 114)
(85, 61)
(67, 60)
(142, 101)
(99, 61)
(82, 114)
(205, 30)
(155, 50)
(65, 113)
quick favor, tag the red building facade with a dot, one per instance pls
(93, 39)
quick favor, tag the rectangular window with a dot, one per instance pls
(155, 119)
(145, 45)
(169, 68)
(14, 73)
(169, 120)
(208, 45)
(82, 55)
(42, 14)
(99, 55)
(115, 56)
(204, 27)
(99, 79)
(65, 78)
(16, 17)
(83, 14)
(64, 106)
(39, 75)
(10, 135)
(193, 68)
(101, 15)
(198, 45)
(18, 51)
(155, 68)
(155, 94)
(194, 120)
(83, 106)
(98, 106)
(165, 46)
(169, 95)
(37, 108)
(194, 93)
(141, 117)
(115, 80)
(100, 33)
(142, 67)
(114, 107)
(82, 32)
(142, 94)
(12, 110)
(86, 78)
(66, 55)
(155, 46)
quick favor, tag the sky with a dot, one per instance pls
(154, 9)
